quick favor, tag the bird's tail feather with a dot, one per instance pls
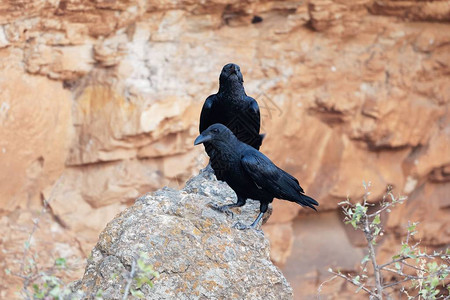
(262, 136)
(260, 140)
(307, 201)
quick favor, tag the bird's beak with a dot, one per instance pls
(201, 139)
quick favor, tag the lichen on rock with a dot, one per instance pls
(195, 249)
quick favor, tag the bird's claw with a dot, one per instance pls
(223, 209)
(241, 226)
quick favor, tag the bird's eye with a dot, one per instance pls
(215, 130)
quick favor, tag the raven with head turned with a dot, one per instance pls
(233, 108)
(250, 173)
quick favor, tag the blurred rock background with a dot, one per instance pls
(100, 103)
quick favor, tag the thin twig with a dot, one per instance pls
(30, 278)
(410, 277)
(372, 255)
(411, 266)
(394, 271)
(408, 235)
(397, 282)
(130, 280)
(322, 284)
(402, 258)
(359, 286)
(388, 205)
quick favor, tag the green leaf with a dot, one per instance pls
(376, 220)
(377, 230)
(141, 264)
(137, 293)
(148, 269)
(434, 282)
(359, 288)
(412, 227)
(432, 267)
(140, 281)
(53, 280)
(360, 209)
(397, 266)
(55, 291)
(60, 262)
(37, 292)
(405, 249)
(423, 293)
(365, 259)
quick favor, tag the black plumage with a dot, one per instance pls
(233, 108)
(251, 174)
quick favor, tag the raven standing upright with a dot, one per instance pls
(233, 108)
(251, 174)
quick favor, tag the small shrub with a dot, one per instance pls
(416, 274)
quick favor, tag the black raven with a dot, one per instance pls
(251, 174)
(234, 109)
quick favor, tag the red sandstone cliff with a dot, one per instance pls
(100, 103)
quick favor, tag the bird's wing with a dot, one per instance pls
(253, 113)
(207, 115)
(252, 118)
(266, 175)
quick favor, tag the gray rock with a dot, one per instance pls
(193, 247)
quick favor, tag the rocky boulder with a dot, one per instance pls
(195, 249)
